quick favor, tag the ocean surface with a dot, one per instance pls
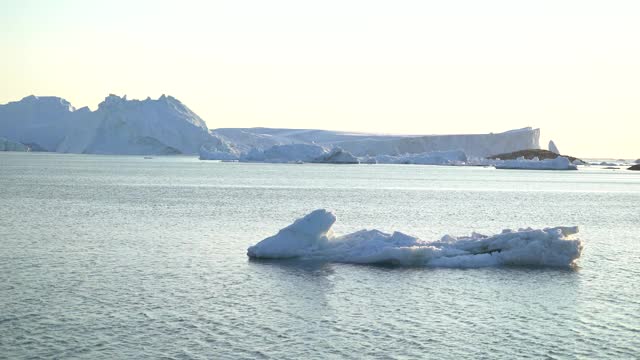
(107, 257)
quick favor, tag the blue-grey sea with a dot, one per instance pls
(105, 257)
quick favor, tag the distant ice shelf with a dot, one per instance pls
(311, 238)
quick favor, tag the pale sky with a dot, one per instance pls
(571, 68)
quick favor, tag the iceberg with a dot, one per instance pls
(118, 126)
(218, 149)
(559, 163)
(290, 153)
(371, 145)
(45, 121)
(121, 126)
(167, 126)
(553, 148)
(337, 156)
(311, 238)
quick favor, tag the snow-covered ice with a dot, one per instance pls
(167, 126)
(559, 163)
(371, 145)
(118, 126)
(312, 238)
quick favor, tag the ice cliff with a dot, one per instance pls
(361, 144)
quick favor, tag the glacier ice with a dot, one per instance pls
(167, 126)
(337, 156)
(369, 145)
(287, 153)
(553, 147)
(118, 126)
(559, 163)
(218, 149)
(311, 238)
(44, 121)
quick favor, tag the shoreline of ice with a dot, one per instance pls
(311, 238)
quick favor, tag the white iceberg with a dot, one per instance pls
(553, 148)
(559, 163)
(167, 126)
(119, 126)
(363, 144)
(311, 238)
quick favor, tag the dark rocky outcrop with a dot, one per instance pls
(635, 167)
(530, 154)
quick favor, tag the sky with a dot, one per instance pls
(569, 67)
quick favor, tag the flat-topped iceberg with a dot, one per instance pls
(311, 238)
(363, 144)
(559, 163)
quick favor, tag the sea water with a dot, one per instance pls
(107, 257)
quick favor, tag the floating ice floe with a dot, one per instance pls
(559, 163)
(311, 238)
